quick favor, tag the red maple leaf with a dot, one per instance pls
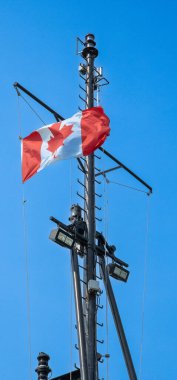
(59, 136)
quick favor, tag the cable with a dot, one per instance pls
(106, 262)
(29, 105)
(144, 286)
(71, 279)
(127, 186)
(71, 321)
(27, 284)
(25, 240)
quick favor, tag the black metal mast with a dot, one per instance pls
(90, 53)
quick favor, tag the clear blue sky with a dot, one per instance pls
(137, 48)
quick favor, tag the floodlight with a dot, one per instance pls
(73, 235)
(62, 237)
(118, 272)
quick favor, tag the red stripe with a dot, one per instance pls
(59, 136)
(94, 129)
(31, 155)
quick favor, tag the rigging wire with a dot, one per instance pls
(27, 274)
(25, 241)
(126, 186)
(71, 279)
(107, 181)
(106, 262)
(144, 285)
(71, 322)
(27, 283)
(29, 105)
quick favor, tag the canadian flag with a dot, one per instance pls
(77, 136)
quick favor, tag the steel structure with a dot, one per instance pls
(90, 53)
(88, 243)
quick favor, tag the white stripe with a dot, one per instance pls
(72, 144)
(46, 155)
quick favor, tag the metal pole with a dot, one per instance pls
(90, 53)
(117, 321)
(79, 315)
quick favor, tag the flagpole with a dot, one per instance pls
(90, 53)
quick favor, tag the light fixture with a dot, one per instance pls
(73, 236)
(118, 272)
(62, 237)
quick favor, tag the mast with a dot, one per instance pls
(90, 53)
(84, 241)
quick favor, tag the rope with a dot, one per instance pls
(71, 279)
(71, 322)
(29, 105)
(144, 285)
(27, 284)
(25, 241)
(106, 262)
(127, 186)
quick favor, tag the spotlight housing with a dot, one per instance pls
(118, 272)
(62, 237)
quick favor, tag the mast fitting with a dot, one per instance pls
(90, 46)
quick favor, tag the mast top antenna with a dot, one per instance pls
(90, 46)
(90, 37)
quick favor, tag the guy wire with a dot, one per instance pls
(127, 186)
(25, 240)
(29, 105)
(106, 262)
(27, 283)
(71, 279)
(145, 284)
